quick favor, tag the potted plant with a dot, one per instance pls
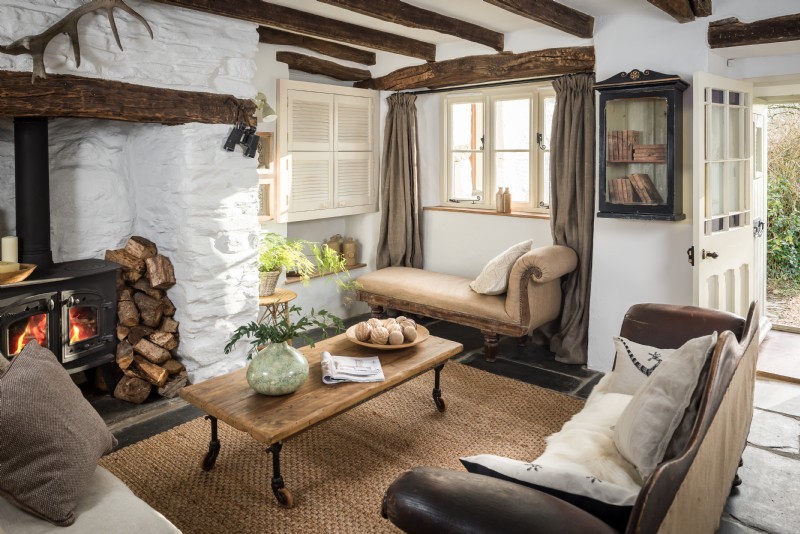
(277, 368)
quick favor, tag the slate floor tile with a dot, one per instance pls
(539, 356)
(777, 396)
(775, 431)
(729, 525)
(538, 377)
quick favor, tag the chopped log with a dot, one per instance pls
(122, 332)
(416, 17)
(169, 325)
(128, 262)
(124, 355)
(144, 286)
(141, 248)
(493, 67)
(324, 67)
(552, 14)
(128, 313)
(151, 310)
(151, 351)
(276, 16)
(160, 272)
(131, 276)
(732, 32)
(132, 389)
(701, 8)
(164, 339)
(155, 374)
(138, 332)
(61, 95)
(125, 294)
(173, 386)
(173, 366)
(348, 53)
(119, 282)
(680, 10)
(169, 307)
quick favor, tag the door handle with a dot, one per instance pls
(709, 254)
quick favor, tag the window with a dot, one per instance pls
(498, 138)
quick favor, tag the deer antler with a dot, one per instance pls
(34, 45)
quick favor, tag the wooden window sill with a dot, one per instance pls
(521, 214)
(295, 279)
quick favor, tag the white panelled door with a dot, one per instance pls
(723, 234)
(760, 212)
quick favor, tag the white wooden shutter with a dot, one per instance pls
(311, 181)
(354, 184)
(353, 123)
(310, 121)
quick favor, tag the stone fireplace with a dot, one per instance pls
(174, 185)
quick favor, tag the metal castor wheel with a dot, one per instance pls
(440, 404)
(737, 480)
(284, 496)
(210, 459)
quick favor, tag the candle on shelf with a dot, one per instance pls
(8, 267)
(9, 250)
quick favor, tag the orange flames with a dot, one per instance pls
(36, 328)
(82, 324)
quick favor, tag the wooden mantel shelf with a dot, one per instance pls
(61, 95)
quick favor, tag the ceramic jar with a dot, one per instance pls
(277, 369)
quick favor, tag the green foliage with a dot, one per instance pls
(783, 194)
(279, 329)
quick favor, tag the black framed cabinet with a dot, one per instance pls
(641, 126)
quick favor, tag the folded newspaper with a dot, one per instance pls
(337, 369)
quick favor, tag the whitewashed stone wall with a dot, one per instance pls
(174, 185)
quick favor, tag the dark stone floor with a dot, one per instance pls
(767, 501)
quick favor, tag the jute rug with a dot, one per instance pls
(339, 470)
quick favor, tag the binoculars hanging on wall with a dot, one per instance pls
(243, 135)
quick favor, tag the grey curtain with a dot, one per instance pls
(572, 208)
(400, 242)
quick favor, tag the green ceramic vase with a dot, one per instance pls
(277, 369)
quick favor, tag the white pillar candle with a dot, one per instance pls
(9, 250)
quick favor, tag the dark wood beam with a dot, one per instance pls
(701, 8)
(680, 10)
(78, 97)
(551, 13)
(732, 32)
(315, 65)
(488, 68)
(416, 17)
(286, 18)
(349, 53)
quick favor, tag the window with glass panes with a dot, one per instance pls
(498, 138)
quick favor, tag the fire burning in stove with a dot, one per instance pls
(82, 323)
(22, 333)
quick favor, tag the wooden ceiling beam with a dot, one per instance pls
(701, 8)
(61, 95)
(487, 68)
(551, 13)
(732, 32)
(316, 65)
(286, 18)
(415, 17)
(680, 10)
(328, 48)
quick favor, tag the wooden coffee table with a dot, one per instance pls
(272, 420)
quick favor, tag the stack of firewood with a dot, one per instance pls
(147, 333)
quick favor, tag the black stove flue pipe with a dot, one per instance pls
(32, 174)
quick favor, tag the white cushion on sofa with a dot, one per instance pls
(634, 363)
(580, 459)
(493, 279)
(107, 506)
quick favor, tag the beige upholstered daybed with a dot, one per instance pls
(533, 297)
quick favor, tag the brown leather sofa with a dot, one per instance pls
(532, 300)
(685, 494)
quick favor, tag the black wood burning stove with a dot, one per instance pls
(68, 307)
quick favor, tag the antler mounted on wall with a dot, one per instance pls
(34, 45)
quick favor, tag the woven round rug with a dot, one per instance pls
(338, 470)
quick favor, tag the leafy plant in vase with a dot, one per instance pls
(277, 368)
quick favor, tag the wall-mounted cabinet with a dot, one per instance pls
(328, 153)
(641, 123)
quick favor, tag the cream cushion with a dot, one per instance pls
(645, 427)
(633, 364)
(493, 279)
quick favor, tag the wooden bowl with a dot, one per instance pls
(422, 335)
(25, 270)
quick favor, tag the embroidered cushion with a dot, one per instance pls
(646, 425)
(50, 437)
(634, 363)
(493, 279)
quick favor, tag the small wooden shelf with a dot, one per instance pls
(293, 279)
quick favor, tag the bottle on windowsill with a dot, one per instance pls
(498, 202)
(506, 201)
